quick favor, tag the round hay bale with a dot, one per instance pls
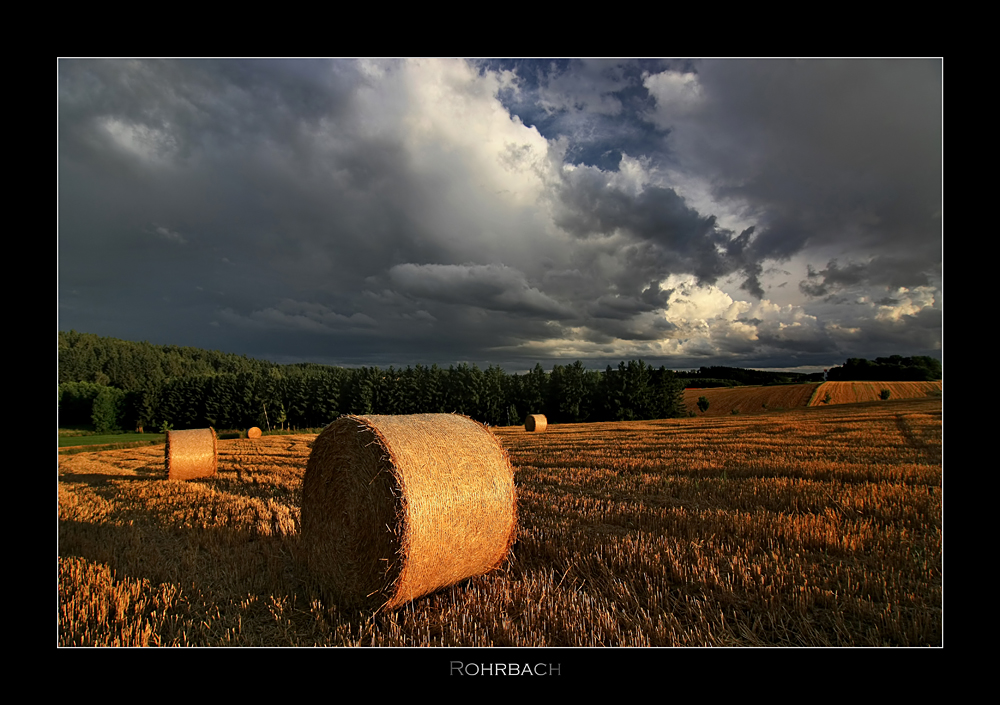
(254, 432)
(191, 454)
(535, 422)
(397, 507)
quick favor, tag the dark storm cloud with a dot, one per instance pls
(892, 272)
(682, 239)
(180, 165)
(844, 153)
(593, 207)
(200, 108)
(386, 211)
(622, 307)
(301, 315)
(752, 282)
(833, 277)
(633, 328)
(793, 340)
(872, 337)
(491, 287)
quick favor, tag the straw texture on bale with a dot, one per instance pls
(253, 432)
(397, 507)
(191, 454)
(535, 422)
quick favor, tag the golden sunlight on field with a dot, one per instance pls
(723, 401)
(853, 392)
(748, 400)
(812, 527)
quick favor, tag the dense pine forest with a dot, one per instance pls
(120, 385)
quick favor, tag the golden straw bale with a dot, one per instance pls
(397, 507)
(535, 422)
(254, 432)
(191, 454)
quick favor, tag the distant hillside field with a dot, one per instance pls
(749, 400)
(851, 392)
(752, 400)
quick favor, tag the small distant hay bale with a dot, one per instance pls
(191, 454)
(254, 432)
(397, 507)
(535, 422)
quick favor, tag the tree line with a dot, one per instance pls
(718, 376)
(115, 384)
(895, 368)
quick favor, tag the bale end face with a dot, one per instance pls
(535, 422)
(254, 432)
(397, 507)
(190, 455)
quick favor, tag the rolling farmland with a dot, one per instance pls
(749, 400)
(853, 392)
(760, 400)
(806, 527)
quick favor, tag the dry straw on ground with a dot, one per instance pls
(254, 432)
(191, 454)
(535, 422)
(396, 507)
(854, 392)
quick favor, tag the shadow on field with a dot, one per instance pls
(98, 479)
(218, 535)
(209, 560)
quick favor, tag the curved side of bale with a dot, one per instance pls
(535, 422)
(253, 432)
(397, 507)
(191, 454)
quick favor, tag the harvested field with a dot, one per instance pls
(813, 527)
(853, 392)
(760, 400)
(749, 400)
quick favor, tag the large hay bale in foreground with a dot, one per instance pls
(396, 507)
(253, 432)
(535, 422)
(191, 454)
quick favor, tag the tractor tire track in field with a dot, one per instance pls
(907, 433)
(917, 430)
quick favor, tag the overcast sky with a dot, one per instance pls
(752, 213)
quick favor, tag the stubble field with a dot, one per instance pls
(812, 527)
(762, 400)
